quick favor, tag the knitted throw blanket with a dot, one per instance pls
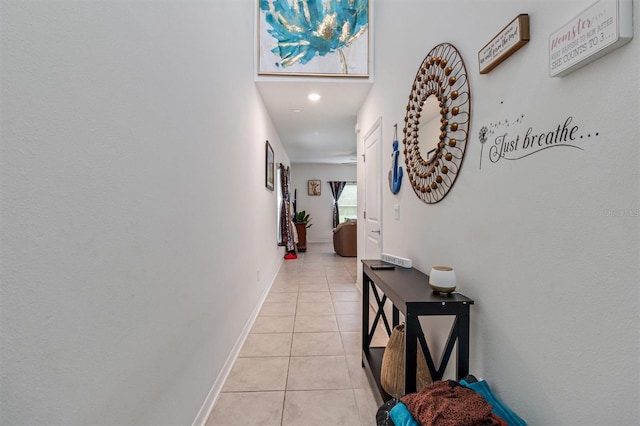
(446, 403)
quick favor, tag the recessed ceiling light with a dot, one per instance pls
(296, 110)
(314, 97)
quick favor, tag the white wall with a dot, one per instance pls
(134, 211)
(320, 207)
(547, 246)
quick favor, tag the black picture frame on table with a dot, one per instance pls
(269, 163)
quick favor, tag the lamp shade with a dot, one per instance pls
(442, 279)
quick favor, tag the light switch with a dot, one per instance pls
(396, 211)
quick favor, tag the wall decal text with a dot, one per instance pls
(505, 144)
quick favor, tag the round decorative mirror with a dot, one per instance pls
(437, 123)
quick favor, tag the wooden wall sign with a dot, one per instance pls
(511, 38)
(596, 31)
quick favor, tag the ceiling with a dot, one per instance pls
(322, 131)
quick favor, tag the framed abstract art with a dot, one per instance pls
(314, 37)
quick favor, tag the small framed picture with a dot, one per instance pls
(313, 187)
(269, 164)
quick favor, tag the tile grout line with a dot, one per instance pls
(293, 332)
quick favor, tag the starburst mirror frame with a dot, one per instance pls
(442, 74)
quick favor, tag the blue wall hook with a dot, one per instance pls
(395, 175)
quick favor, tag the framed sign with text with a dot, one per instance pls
(511, 38)
(594, 32)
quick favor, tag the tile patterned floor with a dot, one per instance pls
(300, 365)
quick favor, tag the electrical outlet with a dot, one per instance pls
(396, 260)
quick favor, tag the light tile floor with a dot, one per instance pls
(301, 363)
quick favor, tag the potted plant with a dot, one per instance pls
(302, 221)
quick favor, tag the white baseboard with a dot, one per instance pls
(214, 392)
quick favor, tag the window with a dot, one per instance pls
(348, 202)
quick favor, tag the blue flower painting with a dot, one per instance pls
(314, 37)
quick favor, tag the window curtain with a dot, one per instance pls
(285, 211)
(336, 190)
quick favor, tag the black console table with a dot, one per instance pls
(409, 292)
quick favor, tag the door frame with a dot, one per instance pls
(362, 238)
(376, 127)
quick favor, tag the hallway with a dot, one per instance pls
(301, 363)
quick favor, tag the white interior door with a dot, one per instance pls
(373, 189)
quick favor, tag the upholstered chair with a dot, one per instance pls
(345, 239)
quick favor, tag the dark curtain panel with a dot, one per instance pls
(285, 211)
(336, 190)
